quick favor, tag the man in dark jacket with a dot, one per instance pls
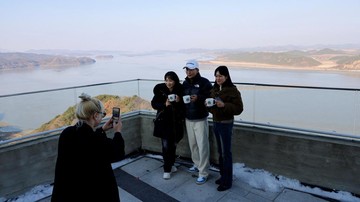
(196, 119)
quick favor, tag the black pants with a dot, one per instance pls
(168, 153)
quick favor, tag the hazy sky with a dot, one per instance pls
(144, 25)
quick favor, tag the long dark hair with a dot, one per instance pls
(173, 76)
(223, 70)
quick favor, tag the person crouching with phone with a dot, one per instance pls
(83, 169)
(169, 104)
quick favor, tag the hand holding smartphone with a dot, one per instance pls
(116, 114)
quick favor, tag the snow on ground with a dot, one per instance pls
(264, 180)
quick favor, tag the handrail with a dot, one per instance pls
(130, 80)
(298, 86)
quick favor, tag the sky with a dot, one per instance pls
(257, 178)
(143, 25)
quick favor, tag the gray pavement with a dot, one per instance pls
(141, 180)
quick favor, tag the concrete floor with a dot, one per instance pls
(141, 180)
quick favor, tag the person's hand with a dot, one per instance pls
(219, 103)
(107, 125)
(167, 103)
(111, 123)
(193, 98)
(177, 98)
(117, 125)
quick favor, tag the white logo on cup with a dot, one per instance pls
(210, 102)
(171, 97)
(186, 99)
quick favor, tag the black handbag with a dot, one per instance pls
(159, 125)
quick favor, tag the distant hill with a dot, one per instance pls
(348, 62)
(104, 57)
(283, 59)
(126, 104)
(326, 51)
(32, 60)
(315, 59)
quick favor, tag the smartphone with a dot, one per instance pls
(116, 113)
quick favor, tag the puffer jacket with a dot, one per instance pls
(201, 87)
(231, 96)
(173, 115)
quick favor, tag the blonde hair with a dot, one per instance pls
(88, 106)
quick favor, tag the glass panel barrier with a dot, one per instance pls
(328, 110)
(21, 114)
(318, 109)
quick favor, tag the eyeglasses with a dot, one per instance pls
(103, 114)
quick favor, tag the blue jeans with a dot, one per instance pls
(223, 133)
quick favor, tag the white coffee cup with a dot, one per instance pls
(172, 97)
(210, 102)
(186, 99)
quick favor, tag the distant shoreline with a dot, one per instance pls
(239, 65)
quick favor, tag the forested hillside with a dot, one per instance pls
(316, 59)
(31, 60)
(126, 104)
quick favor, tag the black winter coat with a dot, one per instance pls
(83, 169)
(173, 115)
(201, 87)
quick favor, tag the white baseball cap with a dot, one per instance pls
(191, 64)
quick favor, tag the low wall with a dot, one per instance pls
(320, 161)
(29, 163)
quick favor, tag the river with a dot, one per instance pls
(154, 66)
(125, 67)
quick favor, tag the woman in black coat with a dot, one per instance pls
(171, 113)
(83, 169)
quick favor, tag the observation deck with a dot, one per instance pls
(315, 152)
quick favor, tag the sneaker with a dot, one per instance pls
(193, 169)
(166, 176)
(201, 180)
(173, 169)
